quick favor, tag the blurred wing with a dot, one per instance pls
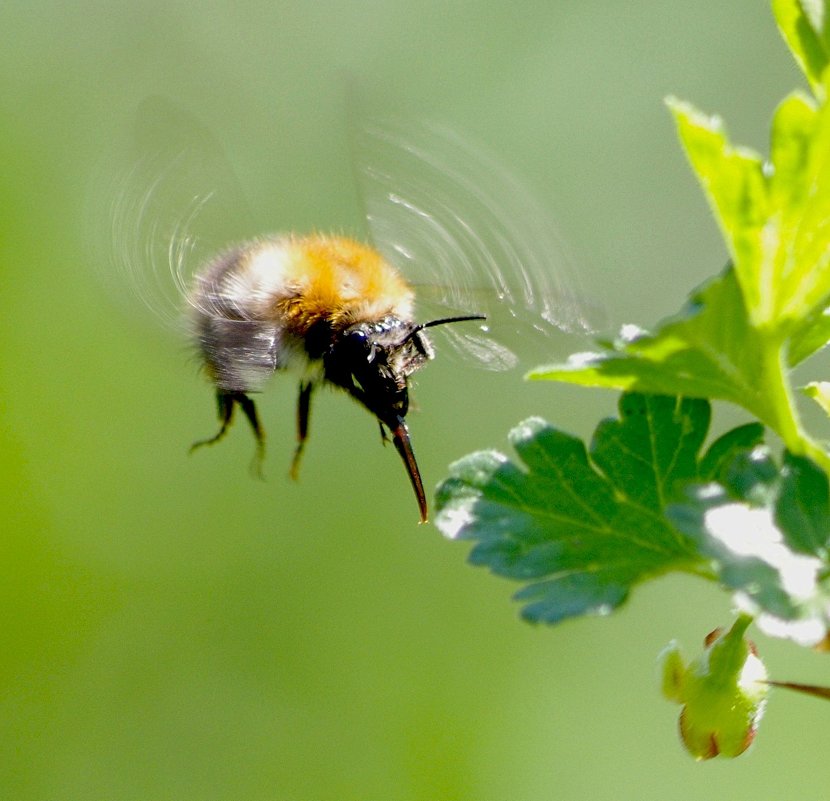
(164, 204)
(471, 240)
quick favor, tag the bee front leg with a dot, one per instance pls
(303, 412)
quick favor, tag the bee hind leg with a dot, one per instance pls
(303, 413)
(226, 402)
(249, 410)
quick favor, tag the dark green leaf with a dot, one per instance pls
(757, 528)
(802, 510)
(752, 476)
(659, 436)
(723, 450)
(739, 568)
(584, 529)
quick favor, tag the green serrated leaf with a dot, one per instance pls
(800, 197)
(793, 128)
(734, 182)
(722, 452)
(751, 476)
(713, 516)
(665, 460)
(584, 529)
(708, 351)
(570, 596)
(772, 214)
(762, 530)
(803, 25)
(802, 509)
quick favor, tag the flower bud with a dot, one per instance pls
(723, 692)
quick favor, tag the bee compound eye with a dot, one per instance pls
(356, 336)
(360, 343)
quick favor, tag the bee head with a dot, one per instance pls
(372, 361)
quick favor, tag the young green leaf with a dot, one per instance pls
(799, 191)
(771, 214)
(804, 27)
(819, 391)
(710, 350)
(741, 332)
(734, 183)
(810, 336)
(582, 528)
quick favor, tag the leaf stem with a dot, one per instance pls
(780, 398)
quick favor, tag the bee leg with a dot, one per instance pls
(383, 436)
(226, 402)
(249, 410)
(303, 412)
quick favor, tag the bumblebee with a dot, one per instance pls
(438, 210)
(327, 308)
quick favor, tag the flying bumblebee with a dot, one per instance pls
(328, 308)
(455, 240)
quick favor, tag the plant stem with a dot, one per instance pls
(785, 418)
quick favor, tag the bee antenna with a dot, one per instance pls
(444, 321)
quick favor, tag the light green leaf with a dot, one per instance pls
(793, 128)
(734, 183)
(773, 215)
(740, 333)
(708, 351)
(819, 391)
(803, 25)
(800, 199)
(812, 335)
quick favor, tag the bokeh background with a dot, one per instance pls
(173, 629)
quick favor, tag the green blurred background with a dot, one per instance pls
(173, 629)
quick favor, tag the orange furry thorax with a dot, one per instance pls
(341, 281)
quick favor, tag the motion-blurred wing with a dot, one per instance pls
(470, 239)
(165, 202)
